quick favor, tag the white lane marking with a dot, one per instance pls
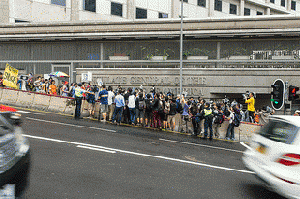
(22, 112)
(215, 147)
(102, 129)
(167, 140)
(39, 113)
(245, 145)
(54, 122)
(90, 146)
(43, 138)
(95, 149)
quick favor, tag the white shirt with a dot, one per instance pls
(131, 101)
(110, 97)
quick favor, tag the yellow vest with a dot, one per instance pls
(78, 92)
(251, 103)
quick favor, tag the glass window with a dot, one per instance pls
(89, 5)
(293, 6)
(202, 3)
(272, 1)
(140, 13)
(59, 2)
(20, 21)
(246, 11)
(232, 9)
(162, 15)
(218, 5)
(185, 1)
(283, 3)
(279, 131)
(259, 13)
(116, 9)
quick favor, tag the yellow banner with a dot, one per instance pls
(10, 76)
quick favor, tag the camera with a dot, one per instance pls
(246, 95)
(225, 100)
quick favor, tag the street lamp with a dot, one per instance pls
(181, 46)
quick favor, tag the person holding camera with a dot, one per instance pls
(250, 101)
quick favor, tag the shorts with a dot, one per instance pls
(104, 108)
(139, 113)
(171, 118)
(92, 106)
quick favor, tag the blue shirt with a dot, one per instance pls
(103, 95)
(119, 100)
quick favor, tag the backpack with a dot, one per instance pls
(237, 120)
(219, 119)
(148, 105)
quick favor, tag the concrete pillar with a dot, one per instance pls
(74, 10)
(267, 11)
(289, 5)
(242, 7)
(101, 54)
(218, 50)
(211, 8)
(4, 10)
(175, 9)
(131, 9)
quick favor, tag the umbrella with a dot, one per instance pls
(59, 74)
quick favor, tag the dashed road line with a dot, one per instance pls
(52, 122)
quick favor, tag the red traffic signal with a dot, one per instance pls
(293, 93)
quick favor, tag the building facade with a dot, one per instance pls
(16, 11)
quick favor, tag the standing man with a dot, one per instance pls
(120, 103)
(78, 99)
(103, 97)
(250, 106)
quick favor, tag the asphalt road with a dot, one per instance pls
(91, 159)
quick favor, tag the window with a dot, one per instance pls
(246, 11)
(202, 3)
(20, 21)
(259, 13)
(218, 5)
(59, 2)
(185, 1)
(116, 9)
(272, 1)
(140, 13)
(283, 3)
(162, 15)
(293, 6)
(89, 5)
(232, 9)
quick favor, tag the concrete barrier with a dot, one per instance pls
(25, 99)
(57, 104)
(41, 101)
(9, 96)
(1, 91)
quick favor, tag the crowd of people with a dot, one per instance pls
(158, 110)
(154, 109)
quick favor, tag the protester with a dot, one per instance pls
(230, 129)
(140, 109)
(53, 88)
(155, 111)
(250, 101)
(103, 97)
(91, 100)
(218, 119)
(148, 110)
(111, 106)
(131, 107)
(120, 103)
(65, 89)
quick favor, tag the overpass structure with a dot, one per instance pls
(238, 54)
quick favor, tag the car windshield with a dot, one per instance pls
(280, 131)
(5, 126)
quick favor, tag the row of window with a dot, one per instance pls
(117, 8)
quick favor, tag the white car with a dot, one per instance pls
(274, 155)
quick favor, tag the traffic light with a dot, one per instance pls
(277, 94)
(293, 93)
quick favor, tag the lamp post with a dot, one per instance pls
(181, 46)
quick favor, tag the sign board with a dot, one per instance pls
(86, 77)
(10, 76)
